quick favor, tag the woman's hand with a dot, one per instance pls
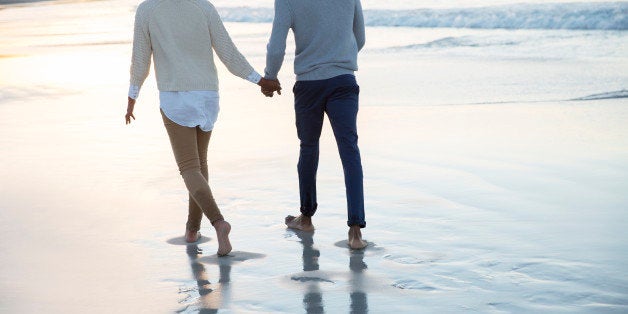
(129, 111)
(269, 86)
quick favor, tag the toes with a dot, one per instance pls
(290, 218)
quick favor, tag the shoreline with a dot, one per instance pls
(17, 2)
(478, 206)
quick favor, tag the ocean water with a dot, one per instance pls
(585, 44)
(494, 137)
(485, 15)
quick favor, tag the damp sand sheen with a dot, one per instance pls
(495, 160)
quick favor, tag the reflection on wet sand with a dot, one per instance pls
(211, 296)
(359, 302)
(313, 297)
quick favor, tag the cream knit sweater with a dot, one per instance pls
(180, 35)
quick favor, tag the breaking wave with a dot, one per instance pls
(609, 95)
(576, 16)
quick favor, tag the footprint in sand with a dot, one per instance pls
(181, 240)
(423, 258)
(409, 284)
(310, 279)
(370, 246)
(233, 257)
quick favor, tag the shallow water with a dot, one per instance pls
(488, 188)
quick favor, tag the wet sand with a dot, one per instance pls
(493, 207)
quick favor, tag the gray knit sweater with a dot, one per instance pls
(328, 35)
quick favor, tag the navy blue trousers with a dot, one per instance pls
(338, 98)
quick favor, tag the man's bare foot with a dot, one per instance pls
(355, 238)
(222, 233)
(301, 223)
(192, 236)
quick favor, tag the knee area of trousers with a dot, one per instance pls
(349, 149)
(190, 171)
(187, 165)
(309, 150)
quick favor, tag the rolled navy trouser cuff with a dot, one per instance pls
(353, 223)
(307, 211)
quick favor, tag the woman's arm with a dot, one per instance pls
(142, 49)
(140, 61)
(129, 110)
(226, 50)
(231, 57)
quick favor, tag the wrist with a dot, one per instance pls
(254, 77)
(134, 91)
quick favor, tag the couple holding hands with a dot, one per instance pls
(181, 37)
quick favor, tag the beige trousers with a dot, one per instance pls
(189, 146)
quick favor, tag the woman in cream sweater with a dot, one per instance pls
(181, 36)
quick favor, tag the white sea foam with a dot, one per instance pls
(515, 205)
(609, 95)
(599, 16)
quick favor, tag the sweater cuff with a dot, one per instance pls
(254, 77)
(134, 91)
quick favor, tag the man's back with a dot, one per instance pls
(328, 36)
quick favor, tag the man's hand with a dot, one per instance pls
(129, 111)
(268, 87)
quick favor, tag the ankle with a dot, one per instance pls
(306, 220)
(355, 230)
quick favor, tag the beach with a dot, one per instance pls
(495, 165)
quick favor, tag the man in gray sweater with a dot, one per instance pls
(328, 35)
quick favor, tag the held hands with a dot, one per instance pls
(129, 111)
(268, 87)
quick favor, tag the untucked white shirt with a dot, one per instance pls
(191, 108)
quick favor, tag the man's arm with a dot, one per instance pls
(358, 26)
(276, 48)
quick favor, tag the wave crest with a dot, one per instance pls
(576, 16)
(609, 95)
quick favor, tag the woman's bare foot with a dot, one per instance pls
(301, 223)
(355, 238)
(222, 233)
(192, 236)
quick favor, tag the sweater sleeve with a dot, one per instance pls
(226, 50)
(358, 25)
(142, 50)
(276, 48)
